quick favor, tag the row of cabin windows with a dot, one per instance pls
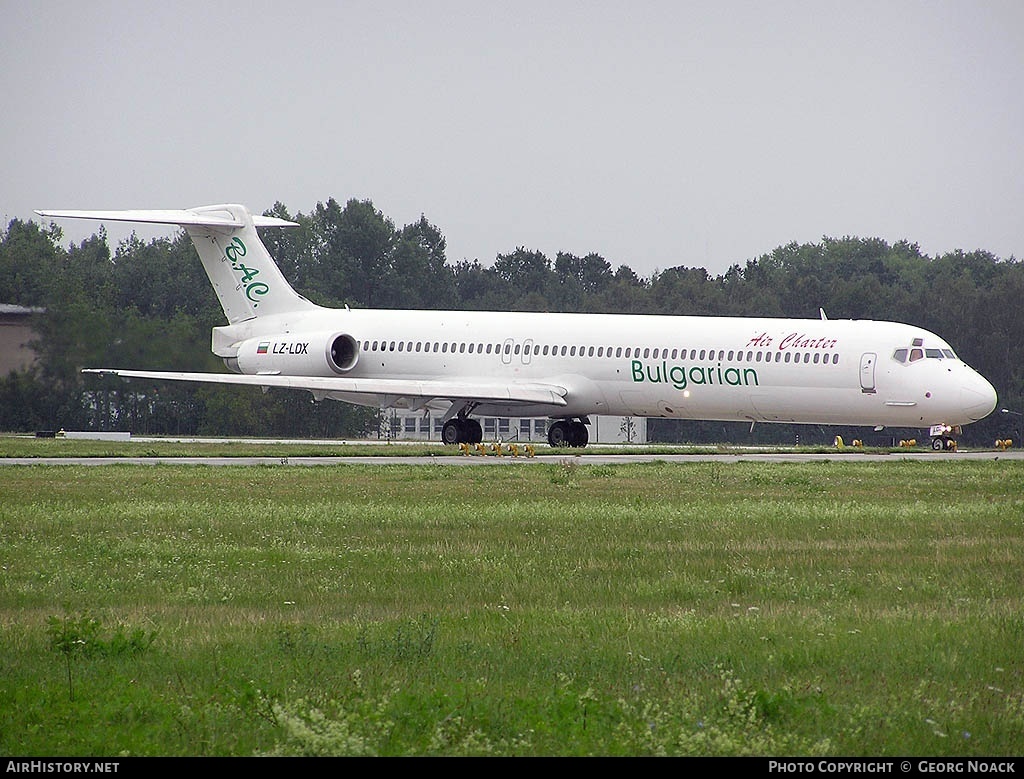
(600, 351)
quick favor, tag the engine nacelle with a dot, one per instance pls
(297, 354)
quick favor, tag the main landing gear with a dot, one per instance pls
(462, 430)
(565, 432)
(568, 432)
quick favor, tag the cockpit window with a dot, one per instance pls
(904, 356)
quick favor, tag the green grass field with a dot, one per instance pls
(828, 608)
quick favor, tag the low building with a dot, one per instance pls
(16, 336)
(419, 426)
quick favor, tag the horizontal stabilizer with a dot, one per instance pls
(205, 216)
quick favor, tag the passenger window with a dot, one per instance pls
(590, 352)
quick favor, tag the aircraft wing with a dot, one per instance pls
(482, 391)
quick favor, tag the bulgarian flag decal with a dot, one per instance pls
(263, 347)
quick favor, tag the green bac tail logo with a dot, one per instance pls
(253, 289)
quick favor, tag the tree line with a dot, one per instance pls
(150, 305)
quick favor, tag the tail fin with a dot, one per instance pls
(246, 279)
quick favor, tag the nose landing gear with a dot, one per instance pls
(943, 437)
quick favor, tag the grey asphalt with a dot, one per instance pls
(507, 459)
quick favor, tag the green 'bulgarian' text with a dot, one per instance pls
(680, 377)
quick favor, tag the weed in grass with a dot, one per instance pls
(411, 640)
(566, 473)
(82, 637)
(357, 726)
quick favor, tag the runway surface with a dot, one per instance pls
(507, 459)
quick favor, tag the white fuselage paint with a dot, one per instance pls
(717, 368)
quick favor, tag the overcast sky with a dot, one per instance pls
(656, 134)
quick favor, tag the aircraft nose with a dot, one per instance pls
(978, 398)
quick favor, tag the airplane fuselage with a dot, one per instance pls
(721, 368)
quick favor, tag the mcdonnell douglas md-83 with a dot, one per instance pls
(566, 367)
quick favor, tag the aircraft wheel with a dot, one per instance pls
(578, 435)
(451, 433)
(938, 444)
(558, 434)
(474, 433)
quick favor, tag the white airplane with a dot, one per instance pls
(563, 366)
